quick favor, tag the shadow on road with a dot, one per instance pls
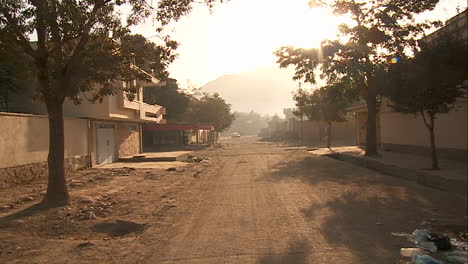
(297, 253)
(359, 209)
(117, 228)
(29, 211)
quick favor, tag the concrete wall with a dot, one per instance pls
(128, 139)
(24, 145)
(87, 109)
(450, 129)
(117, 110)
(314, 131)
(25, 139)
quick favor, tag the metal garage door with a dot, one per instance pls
(105, 145)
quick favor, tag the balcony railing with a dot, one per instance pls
(148, 112)
(153, 113)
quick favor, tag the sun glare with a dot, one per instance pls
(250, 36)
(309, 28)
(242, 35)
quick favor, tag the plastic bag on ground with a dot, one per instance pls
(420, 258)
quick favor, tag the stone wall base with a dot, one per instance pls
(26, 173)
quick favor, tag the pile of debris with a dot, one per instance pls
(195, 159)
(435, 248)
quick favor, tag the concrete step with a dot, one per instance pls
(157, 157)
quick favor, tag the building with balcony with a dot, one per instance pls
(95, 133)
(116, 122)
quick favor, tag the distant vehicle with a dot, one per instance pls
(234, 135)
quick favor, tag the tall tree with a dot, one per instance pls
(379, 30)
(430, 83)
(150, 57)
(327, 104)
(15, 69)
(210, 109)
(78, 50)
(170, 96)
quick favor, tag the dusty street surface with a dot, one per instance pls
(250, 202)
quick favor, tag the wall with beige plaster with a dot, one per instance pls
(128, 135)
(25, 139)
(450, 129)
(342, 132)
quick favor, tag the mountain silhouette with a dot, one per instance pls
(266, 90)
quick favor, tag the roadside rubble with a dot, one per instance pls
(435, 248)
(195, 159)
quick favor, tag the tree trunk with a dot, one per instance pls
(435, 162)
(371, 129)
(430, 126)
(302, 129)
(329, 134)
(57, 192)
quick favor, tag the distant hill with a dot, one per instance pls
(266, 90)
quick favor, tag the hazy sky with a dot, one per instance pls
(242, 34)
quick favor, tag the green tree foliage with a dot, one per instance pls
(15, 69)
(430, 83)
(380, 30)
(325, 104)
(150, 57)
(170, 96)
(210, 109)
(78, 50)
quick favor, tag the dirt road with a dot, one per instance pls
(251, 202)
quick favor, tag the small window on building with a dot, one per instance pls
(151, 115)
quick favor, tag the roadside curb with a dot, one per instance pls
(427, 179)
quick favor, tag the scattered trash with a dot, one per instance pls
(195, 159)
(421, 239)
(421, 235)
(459, 244)
(400, 234)
(427, 245)
(440, 245)
(420, 258)
(464, 235)
(408, 252)
(456, 256)
(441, 241)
